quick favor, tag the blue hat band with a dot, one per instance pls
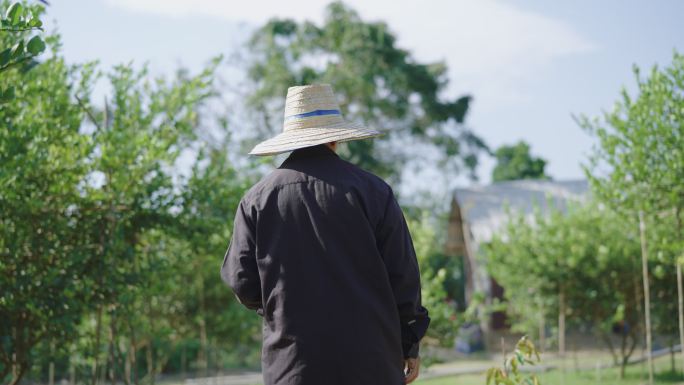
(312, 113)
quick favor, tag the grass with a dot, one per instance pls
(634, 375)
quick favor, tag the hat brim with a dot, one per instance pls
(301, 138)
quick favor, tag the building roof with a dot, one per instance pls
(485, 208)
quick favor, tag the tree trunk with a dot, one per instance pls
(150, 362)
(638, 325)
(184, 364)
(203, 352)
(5, 369)
(51, 373)
(680, 293)
(111, 359)
(625, 351)
(18, 373)
(680, 290)
(623, 348)
(72, 371)
(217, 360)
(96, 347)
(561, 322)
(127, 365)
(19, 365)
(647, 295)
(133, 355)
(51, 366)
(542, 332)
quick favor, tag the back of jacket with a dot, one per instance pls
(321, 250)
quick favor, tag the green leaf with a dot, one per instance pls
(5, 57)
(520, 357)
(18, 49)
(14, 13)
(35, 23)
(490, 375)
(36, 45)
(6, 95)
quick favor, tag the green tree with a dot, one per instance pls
(580, 264)
(210, 199)
(89, 214)
(515, 162)
(132, 196)
(435, 281)
(378, 83)
(43, 240)
(638, 165)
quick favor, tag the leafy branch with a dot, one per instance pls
(19, 19)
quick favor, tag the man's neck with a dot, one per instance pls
(332, 146)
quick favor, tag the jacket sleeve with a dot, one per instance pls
(239, 270)
(396, 247)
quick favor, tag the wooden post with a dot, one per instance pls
(150, 361)
(647, 295)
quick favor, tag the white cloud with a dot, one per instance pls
(492, 48)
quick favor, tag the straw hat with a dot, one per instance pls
(312, 117)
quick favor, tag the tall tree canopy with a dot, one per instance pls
(515, 162)
(638, 164)
(377, 83)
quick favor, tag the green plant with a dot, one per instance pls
(525, 353)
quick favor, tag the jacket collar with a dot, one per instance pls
(311, 152)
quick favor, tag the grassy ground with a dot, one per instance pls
(635, 375)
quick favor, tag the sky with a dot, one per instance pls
(530, 65)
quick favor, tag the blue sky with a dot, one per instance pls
(529, 64)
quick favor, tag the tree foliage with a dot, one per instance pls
(638, 165)
(591, 255)
(515, 162)
(377, 83)
(439, 284)
(639, 161)
(109, 254)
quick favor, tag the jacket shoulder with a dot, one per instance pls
(368, 177)
(275, 178)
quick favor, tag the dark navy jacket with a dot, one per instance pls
(320, 249)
